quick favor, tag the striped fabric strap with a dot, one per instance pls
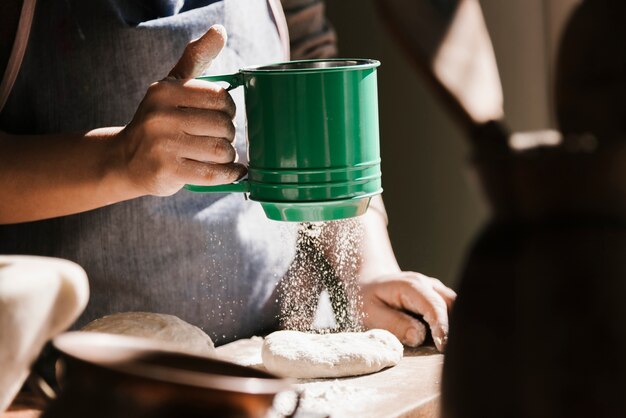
(281, 25)
(18, 50)
(310, 33)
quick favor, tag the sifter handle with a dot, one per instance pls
(234, 80)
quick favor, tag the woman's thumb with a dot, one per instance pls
(199, 54)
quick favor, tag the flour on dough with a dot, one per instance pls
(245, 352)
(160, 327)
(308, 356)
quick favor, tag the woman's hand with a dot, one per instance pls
(392, 298)
(183, 131)
(392, 301)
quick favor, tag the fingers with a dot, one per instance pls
(199, 54)
(194, 94)
(204, 122)
(206, 149)
(414, 292)
(419, 298)
(169, 148)
(198, 108)
(448, 295)
(183, 130)
(208, 174)
(409, 331)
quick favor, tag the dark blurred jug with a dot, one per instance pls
(539, 327)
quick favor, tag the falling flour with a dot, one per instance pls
(325, 268)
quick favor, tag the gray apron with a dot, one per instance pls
(212, 259)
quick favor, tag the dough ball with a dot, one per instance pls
(161, 327)
(308, 356)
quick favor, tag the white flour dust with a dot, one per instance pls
(324, 272)
(245, 256)
(324, 399)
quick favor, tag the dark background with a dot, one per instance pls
(434, 205)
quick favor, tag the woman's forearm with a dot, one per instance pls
(182, 133)
(370, 235)
(45, 176)
(378, 257)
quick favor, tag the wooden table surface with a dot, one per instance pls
(409, 390)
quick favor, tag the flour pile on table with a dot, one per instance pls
(324, 399)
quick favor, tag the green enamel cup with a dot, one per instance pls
(313, 142)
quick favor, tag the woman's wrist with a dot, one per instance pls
(378, 262)
(116, 180)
